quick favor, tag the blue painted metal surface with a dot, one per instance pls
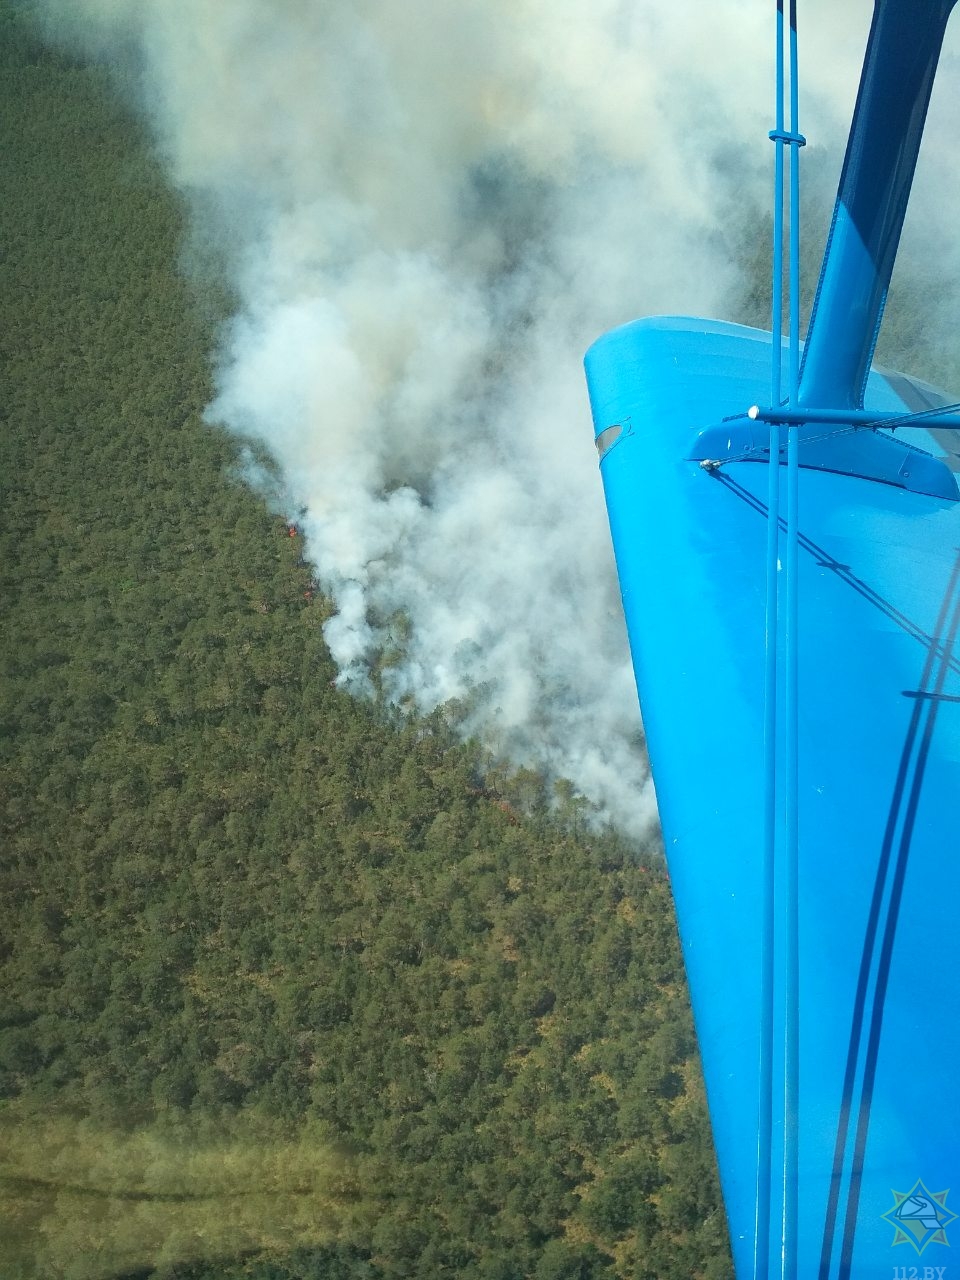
(771, 634)
(780, 746)
(879, 891)
(899, 68)
(828, 445)
(806, 771)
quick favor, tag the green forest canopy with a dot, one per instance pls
(292, 986)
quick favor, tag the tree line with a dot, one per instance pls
(293, 985)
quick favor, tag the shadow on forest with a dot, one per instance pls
(87, 1200)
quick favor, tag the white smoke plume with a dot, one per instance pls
(429, 210)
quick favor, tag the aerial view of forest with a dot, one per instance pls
(294, 984)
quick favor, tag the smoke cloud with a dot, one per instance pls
(428, 211)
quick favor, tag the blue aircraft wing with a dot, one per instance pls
(879, 672)
(800, 693)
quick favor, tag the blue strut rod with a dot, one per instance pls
(761, 1255)
(772, 745)
(791, 751)
(898, 73)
